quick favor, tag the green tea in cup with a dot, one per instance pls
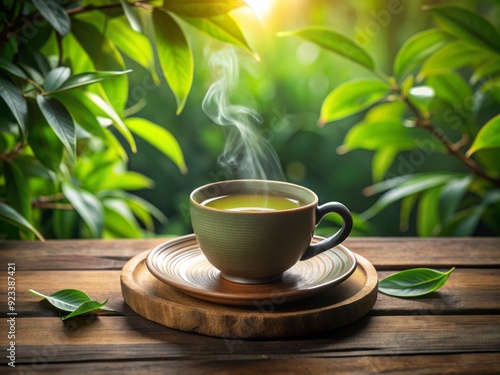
(252, 202)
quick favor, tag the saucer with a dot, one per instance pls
(180, 263)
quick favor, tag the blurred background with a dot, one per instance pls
(287, 87)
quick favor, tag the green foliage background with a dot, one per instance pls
(178, 146)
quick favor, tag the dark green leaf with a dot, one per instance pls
(175, 56)
(470, 222)
(14, 99)
(16, 189)
(11, 216)
(418, 48)
(60, 121)
(352, 97)
(84, 79)
(202, 8)
(467, 25)
(428, 223)
(222, 27)
(88, 207)
(158, 137)
(55, 15)
(12, 69)
(56, 77)
(334, 42)
(407, 204)
(452, 88)
(451, 196)
(488, 136)
(414, 282)
(43, 141)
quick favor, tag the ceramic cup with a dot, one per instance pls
(255, 247)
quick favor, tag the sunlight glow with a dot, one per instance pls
(260, 7)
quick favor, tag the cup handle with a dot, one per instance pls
(335, 239)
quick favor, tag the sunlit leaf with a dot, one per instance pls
(202, 8)
(382, 161)
(352, 97)
(222, 27)
(55, 15)
(407, 204)
(11, 216)
(119, 220)
(133, 18)
(125, 181)
(417, 48)
(421, 97)
(334, 42)
(56, 77)
(88, 207)
(158, 137)
(466, 25)
(488, 136)
(413, 282)
(60, 121)
(175, 56)
(428, 222)
(14, 99)
(452, 88)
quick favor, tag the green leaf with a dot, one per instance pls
(84, 79)
(334, 42)
(454, 55)
(72, 300)
(469, 223)
(133, 19)
(119, 220)
(428, 223)
(175, 56)
(88, 207)
(412, 185)
(378, 135)
(421, 97)
(12, 69)
(352, 97)
(413, 282)
(452, 88)
(55, 15)
(124, 181)
(202, 8)
(11, 216)
(407, 204)
(451, 196)
(43, 140)
(160, 138)
(105, 57)
(488, 136)
(17, 189)
(14, 99)
(467, 25)
(60, 121)
(222, 27)
(56, 78)
(382, 161)
(418, 48)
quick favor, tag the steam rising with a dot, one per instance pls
(246, 153)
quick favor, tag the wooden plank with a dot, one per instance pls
(125, 338)
(468, 291)
(384, 253)
(476, 363)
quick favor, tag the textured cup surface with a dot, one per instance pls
(253, 247)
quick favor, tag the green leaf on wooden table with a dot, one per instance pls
(88, 207)
(175, 56)
(466, 25)
(454, 55)
(14, 99)
(222, 27)
(60, 121)
(352, 97)
(202, 8)
(11, 216)
(413, 282)
(74, 301)
(84, 79)
(55, 15)
(56, 78)
(158, 137)
(488, 136)
(13, 69)
(334, 42)
(418, 48)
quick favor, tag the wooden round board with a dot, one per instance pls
(269, 318)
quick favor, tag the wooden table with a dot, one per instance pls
(455, 330)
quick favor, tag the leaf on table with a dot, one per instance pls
(334, 42)
(413, 282)
(74, 301)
